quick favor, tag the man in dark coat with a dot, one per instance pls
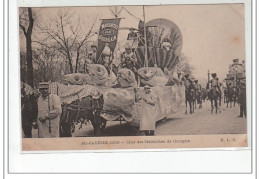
(242, 99)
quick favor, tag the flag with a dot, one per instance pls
(108, 33)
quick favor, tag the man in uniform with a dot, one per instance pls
(197, 87)
(242, 99)
(49, 111)
(187, 81)
(215, 83)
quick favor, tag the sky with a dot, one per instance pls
(213, 35)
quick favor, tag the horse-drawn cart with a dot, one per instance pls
(101, 104)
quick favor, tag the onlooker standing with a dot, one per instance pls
(242, 99)
(49, 111)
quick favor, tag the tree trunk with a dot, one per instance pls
(77, 62)
(29, 49)
(29, 60)
(70, 62)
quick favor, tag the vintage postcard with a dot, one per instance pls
(133, 77)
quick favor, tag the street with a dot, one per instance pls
(199, 123)
(202, 122)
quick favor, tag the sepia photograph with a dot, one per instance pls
(133, 77)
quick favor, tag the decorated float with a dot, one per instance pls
(100, 95)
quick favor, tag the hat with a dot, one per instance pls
(147, 87)
(243, 81)
(44, 85)
(213, 74)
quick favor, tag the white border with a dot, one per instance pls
(173, 161)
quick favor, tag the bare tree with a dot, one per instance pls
(23, 64)
(48, 67)
(68, 34)
(26, 23)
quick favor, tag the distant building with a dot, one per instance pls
(236, 73)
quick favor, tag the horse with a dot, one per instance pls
(231, 96)
(29, 112)
(82, 111)
(214, 95)
(204, 94)
(198, 96)
(225, 95)
(190, 98)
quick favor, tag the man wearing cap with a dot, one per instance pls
(242, 99)
(49, 111)
(148, 116)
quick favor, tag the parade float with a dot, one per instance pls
(112, 97)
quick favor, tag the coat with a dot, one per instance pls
(50, 110)
(148, 116)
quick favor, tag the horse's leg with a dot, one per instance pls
(66, 124)
(211, 102)
(97, 124)
(194, 102)
(190, 103)
(216, 105)
(94, 123)
(186, 106)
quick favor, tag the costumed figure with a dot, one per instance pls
(94, 52)
(148, 118)
(107, 58)
(128, 59)
(166, 44)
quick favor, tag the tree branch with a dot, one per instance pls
(23, 29)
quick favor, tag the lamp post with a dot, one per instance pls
(208, 76)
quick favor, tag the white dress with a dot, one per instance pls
(148, 116)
